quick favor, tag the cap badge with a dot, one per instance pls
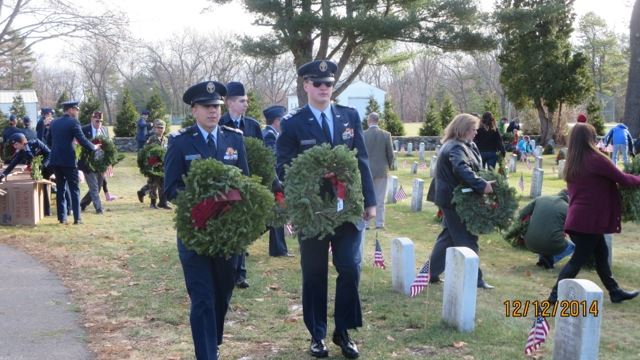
(211, 87)
(323, 66)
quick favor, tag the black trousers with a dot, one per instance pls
(587, 245)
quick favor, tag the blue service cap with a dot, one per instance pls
(17, 137)
(13, 117)
(70, 104)
(235, 88)
(45, 111)
(144, 112)
(274, 111)
(205, 93)
(26, 119)
(321, 70)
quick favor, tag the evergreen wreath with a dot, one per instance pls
(481, 214)
(36, 167)
(151, 160)
(515, 233)
(631, 195)
(261, 161)
(220, 211)
(99, 164)
(310, 184)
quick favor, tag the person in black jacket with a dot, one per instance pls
(458, 164)
(489, 141)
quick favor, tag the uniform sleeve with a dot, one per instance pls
(174, 168)
(15, 160)
(363, 163)
(286, 148)
(464, 172)
(270, 141)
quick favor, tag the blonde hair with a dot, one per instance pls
(459, 126)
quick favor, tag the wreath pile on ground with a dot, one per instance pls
(220, 212)
(99, 161)
(315, 182)
(151, 160)
(36, 167)
(631, 195)
(484, 213)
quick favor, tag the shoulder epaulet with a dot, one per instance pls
(291, 113)
(229, 128)
(344, 106)
(178, 132)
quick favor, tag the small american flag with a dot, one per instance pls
(521, 182)
(422, 166)
(421, 281)
(400, 194)
(378, 259)
(537, 335)
(288, 230)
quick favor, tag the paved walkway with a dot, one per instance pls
(37, 320)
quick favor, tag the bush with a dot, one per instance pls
(431, 125)
(392, 121)
(126, 118)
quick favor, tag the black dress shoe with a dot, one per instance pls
(348, 346)
(141, 196)
(485, 285)
(165, 206)
(242, 284)
(77, 222)
(619, 295)
(318, 349)
(435, 280)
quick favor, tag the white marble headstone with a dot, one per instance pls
(392, 188)
(403, 270)
(432, 166)
(561, 164)
(414, 167)
(421, 151)
(410, 149)
(416, 195)
(513, 160)
(460, 288)
(536, 182)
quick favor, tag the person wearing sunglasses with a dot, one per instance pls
(321, 122)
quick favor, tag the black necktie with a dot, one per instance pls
(238, 124)
(211, 143)
(325, 128)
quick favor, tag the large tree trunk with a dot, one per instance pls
(546, 124)
(632, 103)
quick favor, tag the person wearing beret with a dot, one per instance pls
(320, 122)
(272, 115)
(209, 280)
(10, 129)
(25, 151)
(63, 131)
(46, 115)
(28, 132)
(237, 103)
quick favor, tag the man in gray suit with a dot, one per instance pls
(378, 144)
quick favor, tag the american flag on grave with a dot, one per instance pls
(400, 194)
(378, 259)
(537, 335)
(421, 281)
(422, 166)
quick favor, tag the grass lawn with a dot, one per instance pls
(126, 281)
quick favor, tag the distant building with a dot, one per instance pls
(30, 102)
(355, 95)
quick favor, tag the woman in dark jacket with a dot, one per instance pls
(594, 208)
(458, 163)
(489, 141)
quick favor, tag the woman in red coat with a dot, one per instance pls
(594, 208)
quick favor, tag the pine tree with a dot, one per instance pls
(491, 105)
(594, 114)
(156, 107)
(255, 106)
(16, 62)
(87, 108)
(63, 97)
(431, 125)
(392, 121)
(3, 121)
(188, 121)
(446, 112)
(18, 109)
(126, 117)
(373, 106)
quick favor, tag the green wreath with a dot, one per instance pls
(220, 211)
(517, 230)
(262, 162)
(481, 214)
(151, 160)
(310, 184)
(631, 195)
(36, 168)
(99, 163)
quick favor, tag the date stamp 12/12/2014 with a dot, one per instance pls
(546, 308)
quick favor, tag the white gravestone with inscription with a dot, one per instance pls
(403, 270)
(416, 195)
(392, 187)
(460, 288)
(539, 162)
(421, 151)
(410, 149)
(536, 183)
(432, 166)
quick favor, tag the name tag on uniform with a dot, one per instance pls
(308, 142)
(192, 157)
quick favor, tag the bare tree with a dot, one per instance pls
(49, 83)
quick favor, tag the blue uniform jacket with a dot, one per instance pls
(40, 129)
(7, 132)
(270, 135)
(300, 131)
(62, 133)
(24, 156)
(189, 145)
(29, 133)
(141, 133)
(250, 127)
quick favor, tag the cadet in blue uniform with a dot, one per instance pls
(209, 280)
(320, 122)
(26, 150)
(63, 158)
(142, 131)
(273, 114)
(237, 103)
(10, 129)
(46, 115)
(28, 132)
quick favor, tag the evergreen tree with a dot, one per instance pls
(447, 112)
(594, 114)
(18, 109)
(3, 122)
(491, 105)
(188, 121)
(87, 107)
(373, 106)
(16, 62)
(63, 97)
(255, 106)
(156, 107)
(126, 117)
(392, 121)
(432, 125)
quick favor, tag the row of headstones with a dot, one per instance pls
(576, 337)
(421, 149)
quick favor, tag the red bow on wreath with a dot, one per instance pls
(213, 207)
(153, 160)
(339, 186)
(96, 141)
(279, 196)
